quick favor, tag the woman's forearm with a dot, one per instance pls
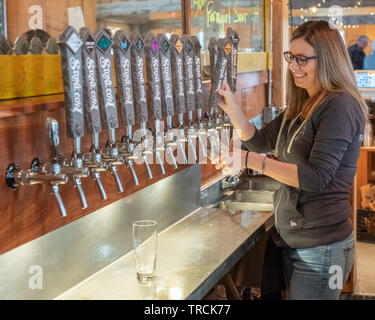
(284, 172)
(240, 122)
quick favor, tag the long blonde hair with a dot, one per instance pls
(334, 70)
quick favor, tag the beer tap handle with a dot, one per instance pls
(212, 49)
(139, 89)
(188, 63)
(234, 39)
(107, 99)
(90, 90)
(151, 50)
(197, 77)
(106, 88)
(177, 73)
(166, 78)
(218, 76)
(71, 62)
(121, 46)
(138, 77)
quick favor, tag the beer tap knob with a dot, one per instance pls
(201, 132)
(177, 66)
(139, 92)
(234, 39)
(219, 72)
(121, 46)
(71, 62)
(107, 101)
(37, 174)
(152, 53)
(92, 160)
(166, 93)
(189, 75)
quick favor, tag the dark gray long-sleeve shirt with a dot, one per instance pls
(325, 149)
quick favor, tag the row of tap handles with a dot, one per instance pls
(173, 69)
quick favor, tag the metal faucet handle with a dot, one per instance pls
(36, 175)
(127, 150)
(52, 130)
(93, 161)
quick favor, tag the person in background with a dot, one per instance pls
(356, 53)
(316, 141)
(369, 63)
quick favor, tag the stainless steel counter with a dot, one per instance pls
(193, 255)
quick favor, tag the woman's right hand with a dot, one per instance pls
(226, 100)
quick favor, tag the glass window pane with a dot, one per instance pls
(212, 18)
(144, 16)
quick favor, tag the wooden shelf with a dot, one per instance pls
(14, 107)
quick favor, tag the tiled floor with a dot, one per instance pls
(365, 284)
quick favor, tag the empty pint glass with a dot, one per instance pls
(145, 245)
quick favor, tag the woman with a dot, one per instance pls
(317, 141)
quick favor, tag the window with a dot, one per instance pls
(211, 18)
(144, 16)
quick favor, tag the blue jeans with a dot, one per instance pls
(319, 272)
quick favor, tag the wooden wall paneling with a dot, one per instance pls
(362, 174)
(277, 49)
(186, 16)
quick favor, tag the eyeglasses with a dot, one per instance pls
(300, 59)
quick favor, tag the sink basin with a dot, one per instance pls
(248, 200)
(258, 183)
(262, 196)
(252, 206)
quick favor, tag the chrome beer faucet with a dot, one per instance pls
(93, 159)
(37, 174)
(71, 62)
(107, 102)
(122, 56)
